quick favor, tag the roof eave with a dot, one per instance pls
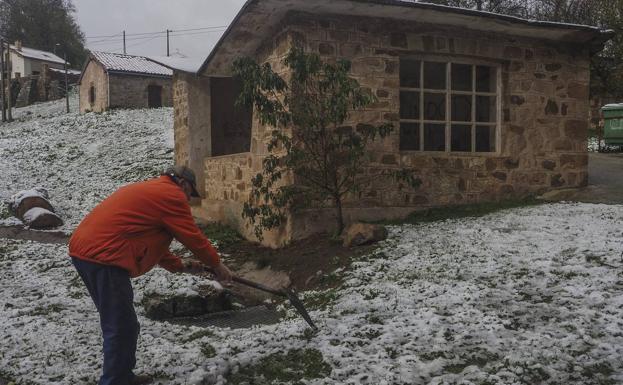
(564, 32)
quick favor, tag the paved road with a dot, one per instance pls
(605, 180)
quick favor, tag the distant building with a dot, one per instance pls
(112, 80)
(29, 61)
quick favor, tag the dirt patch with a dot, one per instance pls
(20, 232)
(307, 262)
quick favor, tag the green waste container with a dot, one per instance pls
(613, 124)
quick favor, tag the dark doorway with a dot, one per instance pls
(154, 96)
(231, 124)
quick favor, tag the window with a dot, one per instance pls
(231, 123)
(92, 95)
(448, 106)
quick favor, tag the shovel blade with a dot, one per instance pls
(298, 305)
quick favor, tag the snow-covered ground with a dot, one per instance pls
(80, 159)
(524, 296)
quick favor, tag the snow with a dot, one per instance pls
(190, 65)
(524, 296)
(38, 54)
(520, 296)
(17, 198)
(81, 159)
(130, 63)
(69, 72)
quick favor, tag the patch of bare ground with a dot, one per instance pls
(23, 233)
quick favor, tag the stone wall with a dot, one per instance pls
(130, 91)
(191, 96)
(94, 76)
(543, 119)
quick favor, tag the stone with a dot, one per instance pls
(548, 164)
(539, 75)
(557, 181)
(577, 90)
(398, 39)
(576, 129)
(513, 52)
(500, 175)
(40, 218)
(518, 100)
(161, 307)
(551, 108)
(326, 49)
(551, 67)
(382, 93)
(359, 234)
(30, 202)
(511, 163)
(389, 159)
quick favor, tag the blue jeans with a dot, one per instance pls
(111, 291)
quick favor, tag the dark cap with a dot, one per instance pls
(185, 173)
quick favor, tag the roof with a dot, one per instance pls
(36, 54)
(121, 63)
(257, 19)
(69, 71)
(177, 63)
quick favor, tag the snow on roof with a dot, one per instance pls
(118, 62)
(183, 64)
(70, 72)
(32, 53)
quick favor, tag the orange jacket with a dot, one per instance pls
(134, 227)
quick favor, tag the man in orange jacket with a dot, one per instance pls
(124, 237)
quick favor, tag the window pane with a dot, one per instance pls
(409, 136)
(461, 137)
(410, 73)
(434, 106)
(485, 108)
(435, 75)
(485, 138)
(461, 77)
(434, 137)
(462, 108)
(485, 79)
(409, 105)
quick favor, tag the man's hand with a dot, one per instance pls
(222, 273)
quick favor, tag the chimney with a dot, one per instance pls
(18, 45)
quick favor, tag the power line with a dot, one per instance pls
(159, 32)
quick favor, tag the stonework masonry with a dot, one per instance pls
(94, 76)
(541, 139)
(130, 91)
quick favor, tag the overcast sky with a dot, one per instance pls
(99, 20)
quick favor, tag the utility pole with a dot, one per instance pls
(167, 42)
(9, 68)
(66, 88)
(2, 93)
(124, 42)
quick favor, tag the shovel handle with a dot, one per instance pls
(254, 285)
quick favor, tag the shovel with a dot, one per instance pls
(285, 293)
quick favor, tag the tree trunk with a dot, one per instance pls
(338, 214)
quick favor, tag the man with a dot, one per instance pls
(124, 237)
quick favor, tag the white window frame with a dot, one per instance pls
(448, 60)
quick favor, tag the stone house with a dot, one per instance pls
(29, 61)
(112, 80)
(485, 106)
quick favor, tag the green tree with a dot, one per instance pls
(41, 24)
(314, 158)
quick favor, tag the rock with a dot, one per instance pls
(159, 307)
(27, 199)
(359, 234)
(40, 218)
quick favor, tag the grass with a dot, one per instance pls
(464, 211)
(294, 367)
(222, 235)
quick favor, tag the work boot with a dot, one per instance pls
(141, 379)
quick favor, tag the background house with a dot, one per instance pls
(29, 61)
(112, 80)
(485, 106)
